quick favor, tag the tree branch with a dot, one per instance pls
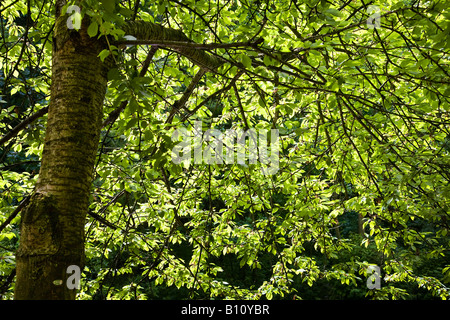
(152, 33)
(213, 96)
(179, 104)
(15, 212)
(15, 131)
(102, 220)
(193, 45)
(113, 115)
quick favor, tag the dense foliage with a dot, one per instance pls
(359, 94)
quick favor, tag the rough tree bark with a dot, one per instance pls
(52, 224)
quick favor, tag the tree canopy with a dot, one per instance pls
(358, 91)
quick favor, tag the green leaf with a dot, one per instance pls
(333, 12)
(161, 8)
(126, 12)
(104, 54)
(114, 74)
(109, 5)
(133, 106)
(353, 63)
(246, 61)
(93, 29)
(106, 27)
(268, 61)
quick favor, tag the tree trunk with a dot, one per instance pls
(52, 225)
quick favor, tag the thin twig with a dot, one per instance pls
(185, 44)
(179, 104)
(15, 131)
(113, 115)
(15, 212)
